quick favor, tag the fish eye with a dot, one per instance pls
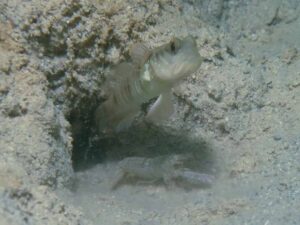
(173, 47)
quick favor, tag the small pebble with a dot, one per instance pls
(277, 137)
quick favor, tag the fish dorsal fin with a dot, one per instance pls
(139, 54)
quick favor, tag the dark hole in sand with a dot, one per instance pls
(87, 150)
(141, 140)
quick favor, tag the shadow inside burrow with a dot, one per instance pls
(147, 141)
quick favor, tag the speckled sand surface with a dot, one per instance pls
(238, 114)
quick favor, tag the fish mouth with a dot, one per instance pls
(172, 65)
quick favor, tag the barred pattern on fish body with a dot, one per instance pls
(150, 74)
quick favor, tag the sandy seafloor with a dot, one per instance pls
(239, 114)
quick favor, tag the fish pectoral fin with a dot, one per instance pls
(162, 108)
